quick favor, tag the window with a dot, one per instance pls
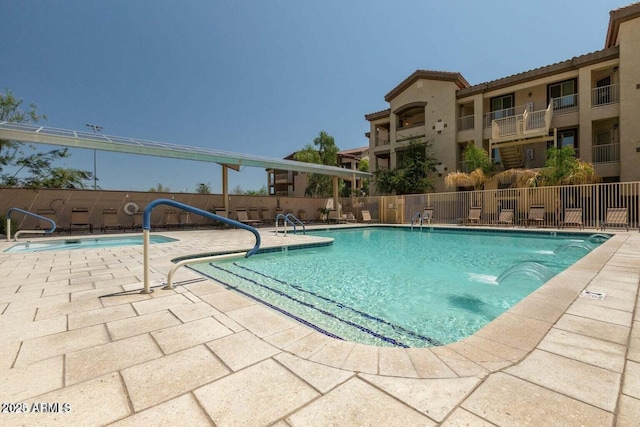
(566, 138)
(563, 94)
(603, 91)
(502, 106)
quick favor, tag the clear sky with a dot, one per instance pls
(260, 77)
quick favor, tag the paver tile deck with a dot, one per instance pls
(202, 354)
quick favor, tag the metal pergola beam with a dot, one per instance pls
(96, 141)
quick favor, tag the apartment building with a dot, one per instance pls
(294, 184)
(590, 102)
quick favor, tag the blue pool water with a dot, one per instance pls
(84, 243)
(396, 287)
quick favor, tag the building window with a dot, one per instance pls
(566, 138)
(502, 106)
(563, 94)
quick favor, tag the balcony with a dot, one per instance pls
(605, 95)
(522, 126)
(565, 104)
(606, 153)
(466, 123)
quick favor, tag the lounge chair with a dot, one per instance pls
(254, 215)
(302, 215)
(475, 216)
(45, 225)
(348, 217)
(616, 217)
(505, 217)
(243, 217)
(334, 217)
(110, 220)
(535, 216)
(366, 217)
(170, 218)
(80, 217)
(572, 216)
(265, 216)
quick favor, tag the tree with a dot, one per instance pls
(478, 162)
(325, 152)
(237, 190)
(203, 188)
(159, 189)
(414, 173)
(38, 166)
(364, 167)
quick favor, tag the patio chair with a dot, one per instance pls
(616, 217)
(427, 214)
(475, 215)
(243, 217)
(302, 215)
(80, 217)
(366, 217)
(265, 216)
(535, 216)
(110, 220)
(348, 217)
(505, 217)
(170, 218)
(572, 216)
(334, 217)
(45, 225)
(254, 215)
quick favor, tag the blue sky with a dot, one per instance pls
(260, 77)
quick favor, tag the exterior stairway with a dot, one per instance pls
(511, 157)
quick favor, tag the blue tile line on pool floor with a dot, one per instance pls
(397, 328)
(278, 309)
(311, 306)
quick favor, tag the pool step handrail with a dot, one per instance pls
(285, 220)
(294, 220)
(19, 232)
(146, 227)
(417, 219)
(169, 283)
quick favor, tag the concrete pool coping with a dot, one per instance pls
(204, 353)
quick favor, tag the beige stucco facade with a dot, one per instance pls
(590, 102)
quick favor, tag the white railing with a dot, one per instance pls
(565, 104)
(592, 199)
(466, 122)
(499, 114)
(605, 95)
(527, 123)
(606, 153)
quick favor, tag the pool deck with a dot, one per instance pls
(203, 355)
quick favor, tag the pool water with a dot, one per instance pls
(84, 243)
(396, 287)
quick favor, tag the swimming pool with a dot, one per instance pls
(84, 243)
(397, 287)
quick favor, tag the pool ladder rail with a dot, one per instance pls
(19, 232)
(146, 227)
(291, 219)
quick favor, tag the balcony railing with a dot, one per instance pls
(499, 114)
(382, 141)
(606, 153)
(565, 104)
(522, 125)
(605, 95)
(466, 122)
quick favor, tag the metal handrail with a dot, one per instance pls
(146, 226)
(291, 216)
(15, 237)
(284, 222)
(417, 215)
